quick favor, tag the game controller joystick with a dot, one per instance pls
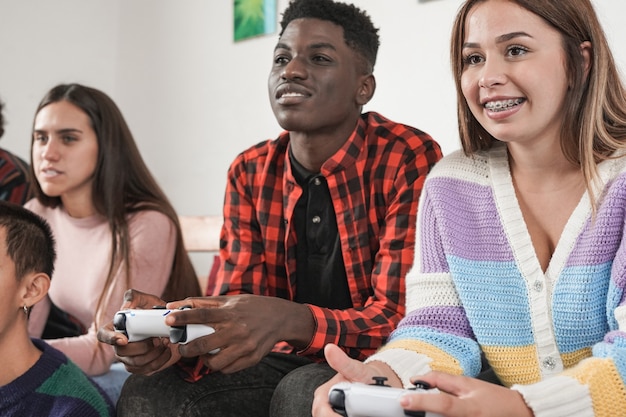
(141, 324)
(373, 400)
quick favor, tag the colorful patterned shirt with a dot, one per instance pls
(14, 179)
(477, 285)
(375, 181)
(54, 387)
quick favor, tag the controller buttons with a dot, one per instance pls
(379, 381)
(119, 322)
(421, 385)
(337, 400)
(410, 413)
(178, 334)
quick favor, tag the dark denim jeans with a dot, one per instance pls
(279, 386)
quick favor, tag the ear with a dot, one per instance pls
(586, 52)
(34, 286)
(366, 89)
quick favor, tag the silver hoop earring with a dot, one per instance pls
(25, 309)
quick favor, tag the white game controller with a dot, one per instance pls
(138, 325)
(375, 400)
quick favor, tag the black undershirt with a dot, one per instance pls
(320, 272)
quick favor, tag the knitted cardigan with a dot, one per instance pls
(53, 387)
(476, 285)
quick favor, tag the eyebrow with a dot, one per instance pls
(280, 46)
(502, 38)
(320, 45)
(60, 131)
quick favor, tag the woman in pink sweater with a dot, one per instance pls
(113, 225)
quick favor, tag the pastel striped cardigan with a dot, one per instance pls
(476, 284)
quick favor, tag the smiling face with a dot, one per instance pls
(514, 76)
(317, 82)
(64, 152)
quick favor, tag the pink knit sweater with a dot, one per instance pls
(83, 251)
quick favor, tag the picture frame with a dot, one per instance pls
(253, 18)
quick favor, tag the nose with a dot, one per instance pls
(49, 151)
(493, 74)
(294, 69)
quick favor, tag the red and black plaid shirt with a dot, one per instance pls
(375, 181)
(14, 173)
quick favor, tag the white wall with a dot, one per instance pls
(192, 97)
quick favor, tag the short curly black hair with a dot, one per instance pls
(358, 30)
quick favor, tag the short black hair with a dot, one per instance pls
(358, 30)
(29, 240)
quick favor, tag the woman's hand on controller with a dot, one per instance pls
(348, 370)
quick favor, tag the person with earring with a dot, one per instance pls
(36, 379)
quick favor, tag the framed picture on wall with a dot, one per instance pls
(254, 18)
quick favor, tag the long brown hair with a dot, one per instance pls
(594, 123)
(122, 185)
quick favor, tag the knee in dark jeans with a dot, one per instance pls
(293, 396)
(247, 392)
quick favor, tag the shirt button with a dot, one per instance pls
(317, 181)
(316, 219)
(549, 363)
(538, 286)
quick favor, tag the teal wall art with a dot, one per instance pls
(254, 18)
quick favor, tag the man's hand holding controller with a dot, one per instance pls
(138, 324)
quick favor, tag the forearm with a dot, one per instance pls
(358, 331)
(93, 357)
(298, 325)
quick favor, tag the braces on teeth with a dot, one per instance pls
(502, 105)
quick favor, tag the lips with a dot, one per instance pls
(49, 172)
(291, 92)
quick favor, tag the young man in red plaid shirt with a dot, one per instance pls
(319, 229)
